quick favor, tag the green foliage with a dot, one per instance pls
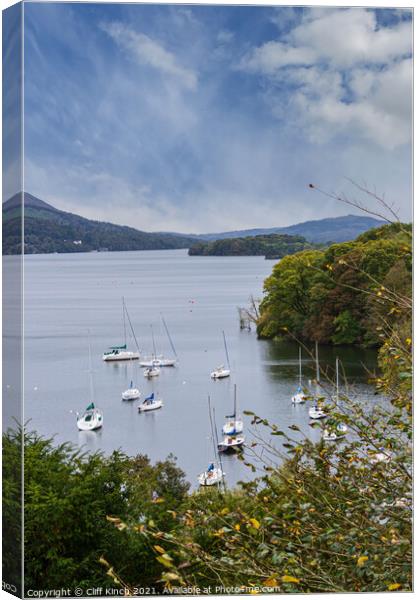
(346, 329)
(74, 506)
(12, 507)
(328, 295)
(271, 246)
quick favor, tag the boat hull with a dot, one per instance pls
(151, 372)
(131, 394)
(209, 478)
(96, 422)
(158, 362)
(231, 444)
(316, 413)
(220, 374)
(152, 406)
(233, 427)
(123, 355)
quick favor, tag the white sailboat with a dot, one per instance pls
(120, 352)
(132, 393)
(221, 372)
(92, 417)
(316, 411)
(299, 397)
(213, 475)
(150, 403)
(234, 425)
(153, 370)
(161, 361)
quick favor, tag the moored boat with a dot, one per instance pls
(150, 403)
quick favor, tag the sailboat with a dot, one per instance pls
(150, 403)
(234, 425)
(299, 397)
(213, 475)
(92, 417)
(339, 431)
(221, 371)
(132, 393)
(153, 370)
(315, 411)
(161, 361)
(120, 352)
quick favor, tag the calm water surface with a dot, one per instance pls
(65, 295)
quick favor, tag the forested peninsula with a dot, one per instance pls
(336, 295)
(272, 246)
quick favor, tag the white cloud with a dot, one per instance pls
(345, 38)
(340, 72)
(147, 51)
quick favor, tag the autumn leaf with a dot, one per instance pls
(271, 582)
(255, 523)
(361, 560)
(289, 579)
(394, 586)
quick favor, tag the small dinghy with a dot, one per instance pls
(132, 393)
(222, 371)
(380, 457)
(299, 397)
(332, 436)
(91, 419)
(234, 425)
(212, 476)
(231, 443)
(150, 403)
(316, 412)
(150, 372)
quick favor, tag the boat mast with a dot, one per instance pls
(123, 318)
(299, 366)
(235, 404)
(91, 389)
(154, 343)
(168, 335)
(317, 371)
(132, 328)
(225, 346)
(337, 381)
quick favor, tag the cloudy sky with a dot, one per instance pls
(198, 118)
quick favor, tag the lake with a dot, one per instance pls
(68, 294)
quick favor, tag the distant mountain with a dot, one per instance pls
(333, 229)
(273, 245)
(50, 230)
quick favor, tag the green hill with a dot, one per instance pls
(50, 230)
